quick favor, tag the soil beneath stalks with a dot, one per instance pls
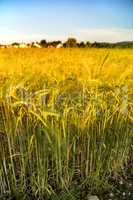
(120, 187)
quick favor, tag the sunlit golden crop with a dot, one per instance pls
(64, 113)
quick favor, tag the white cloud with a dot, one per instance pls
(106, 35)
(10, 36)
(91, 34)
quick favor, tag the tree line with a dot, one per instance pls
(73, 43)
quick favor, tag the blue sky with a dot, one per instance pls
(93, 20)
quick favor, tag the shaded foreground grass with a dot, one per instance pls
(65, 121)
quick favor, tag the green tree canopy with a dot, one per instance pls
(43, 43)
(71, 42)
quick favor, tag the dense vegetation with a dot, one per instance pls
(73, 43)
(65, 121)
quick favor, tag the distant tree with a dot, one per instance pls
(15, 44)
(43, 43)
(94, 44)
(55, 43)
(99, 45)
(102, 45)
(88, 44)
(71, 42)
(81, 45)
(64, 44)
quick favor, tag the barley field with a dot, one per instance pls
(66, 121)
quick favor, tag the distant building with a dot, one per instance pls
(59, 46)
(36, 44)
(3, 46)
(22, 45)
(15, 46)
(51, 46)
(19, 45)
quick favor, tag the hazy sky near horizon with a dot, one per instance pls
(92, 20)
